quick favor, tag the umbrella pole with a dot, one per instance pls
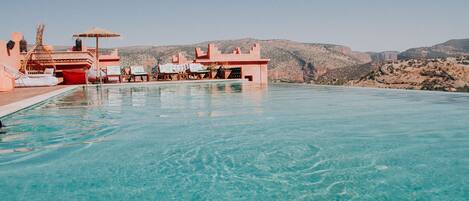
(97, 61)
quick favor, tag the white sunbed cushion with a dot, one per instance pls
(36, 81)
(197, 68)
(163, 68)
(167, 68)
(174, 68)
(178, 68)
(113, 70)
(137, 70)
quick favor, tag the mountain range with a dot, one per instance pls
(451, 48)
(290, 61)
(301, 62)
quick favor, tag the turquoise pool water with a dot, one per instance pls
(238, 142)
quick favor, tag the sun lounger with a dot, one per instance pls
(113, 72)
(138, 71)
(36, 81)
(198, 71)
(167, 71)
(22, 80)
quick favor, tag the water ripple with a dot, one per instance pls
(237, 142)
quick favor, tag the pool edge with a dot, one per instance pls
(167, 82)
(17, 106)
(11, 108)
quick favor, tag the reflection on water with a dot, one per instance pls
(92, 114)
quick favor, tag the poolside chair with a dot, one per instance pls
(139, 71)
(167, 71)
(24, 80)
(198, 71)
(113, 72)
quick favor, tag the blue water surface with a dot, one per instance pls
(234, 141)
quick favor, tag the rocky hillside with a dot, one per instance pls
(341, 76)
(441, 67)
(384, 56)
(448, 74)
(290, 61)
(452, 48)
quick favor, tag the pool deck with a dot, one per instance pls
(21, 98)
(19, 94)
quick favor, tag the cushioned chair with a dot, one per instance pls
(113, 72)
(167, 71)
(198, 71)
(139, 71)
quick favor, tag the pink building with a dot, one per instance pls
(11, 57)
(241, 65)
(75, 60)
(63, 60)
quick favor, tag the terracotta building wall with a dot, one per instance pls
(11, 57)
(253, 67)
(213, 53)
(110, 59)
(258, 73)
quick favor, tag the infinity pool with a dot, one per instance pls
(232, 141)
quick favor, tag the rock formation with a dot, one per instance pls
(449, 74)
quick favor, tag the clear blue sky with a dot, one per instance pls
(365, 25)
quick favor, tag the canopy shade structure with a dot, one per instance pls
(97, 33)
